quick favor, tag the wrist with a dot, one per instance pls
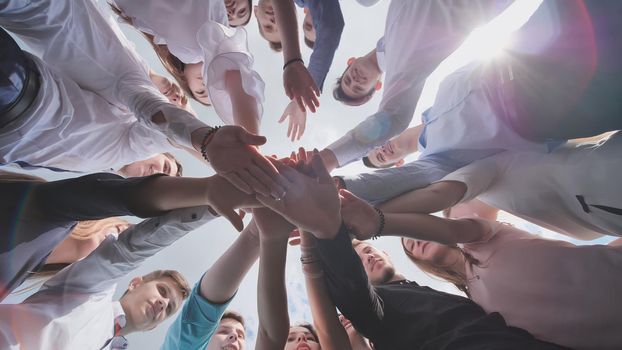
(293, 61)
(329, 159)
(207, 138)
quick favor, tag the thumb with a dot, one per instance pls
(234, 218)
(250, 139)
(347, 195)
(283, 116)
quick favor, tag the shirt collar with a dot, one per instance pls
(118, 341)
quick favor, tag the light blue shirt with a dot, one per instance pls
(328, 24)
(195, 325)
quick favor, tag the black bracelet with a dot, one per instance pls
(381, 228)
(206, 140)
(292, 61)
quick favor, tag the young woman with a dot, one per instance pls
(559, 292)
(36, 216)
(209, 58)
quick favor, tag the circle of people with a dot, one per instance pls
(531, 132)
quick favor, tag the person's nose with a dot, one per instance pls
(232, 337)
(161, 305)
(230, 11)
(301, 338)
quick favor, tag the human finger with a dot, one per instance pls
(284, 116)
(234, 218)
(257, 186)
(294, 242)
(300, 102)
(238, 182)
(320, 170)
(274, 188)
(301, 129)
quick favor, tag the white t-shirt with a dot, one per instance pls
(73, 129)
(543, 188)
(198, 31)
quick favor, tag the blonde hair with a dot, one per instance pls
(179, 280)
(86, 229)
(8, 176)
(444, 272)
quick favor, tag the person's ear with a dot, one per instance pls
(135, 282)
(350, 60)
(400, 162)
(378, 85)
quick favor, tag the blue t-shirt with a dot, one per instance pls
(195, 325)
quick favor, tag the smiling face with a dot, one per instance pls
(430, 252)
(301, 338)
(377, 264)
(390, 154)
(158, 164)
(230, 335)
(360, 78)
(264, 12)
(238, 12)
(193, 73)
(147, 304)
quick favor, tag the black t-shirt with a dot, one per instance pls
(404, 315)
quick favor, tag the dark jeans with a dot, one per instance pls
(572, 88)
(19, 81)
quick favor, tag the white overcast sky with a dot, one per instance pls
(193, 254)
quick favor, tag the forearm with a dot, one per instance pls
(328, 23)
(432, 228)
(271, 294)
(222, 280)
(245, 112)
(330, 331)
(285, 14)
(436, 197)
(347, 283)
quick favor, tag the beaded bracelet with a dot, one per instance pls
(206, 139)
(292, 61)
(382, 221)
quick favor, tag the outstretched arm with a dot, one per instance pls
(365, 222)
(245, 112)
(271, 292)
(430, 199)
(330, 331)
(195, 325)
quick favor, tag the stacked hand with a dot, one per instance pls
(233, 155)
(360, 217)
(311, 201)
(271, 225)
(224, 198)
(300, 87)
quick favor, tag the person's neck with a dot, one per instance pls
(396, 277)
(373, 58)
(459, 264)
(129, 325)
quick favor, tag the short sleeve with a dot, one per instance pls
(477, 176)
(195, 325)
(226, 49)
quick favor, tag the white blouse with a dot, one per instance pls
(198, 31)
(75, 38)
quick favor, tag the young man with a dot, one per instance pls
(102, 85)
(204, 319)
(393, 152)
(392, 312)
(561, 69)
(75, 309)
(419, 35)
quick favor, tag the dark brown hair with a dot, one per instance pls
(232, 315)
(344, 98)
(180, 168)
(309, 327)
